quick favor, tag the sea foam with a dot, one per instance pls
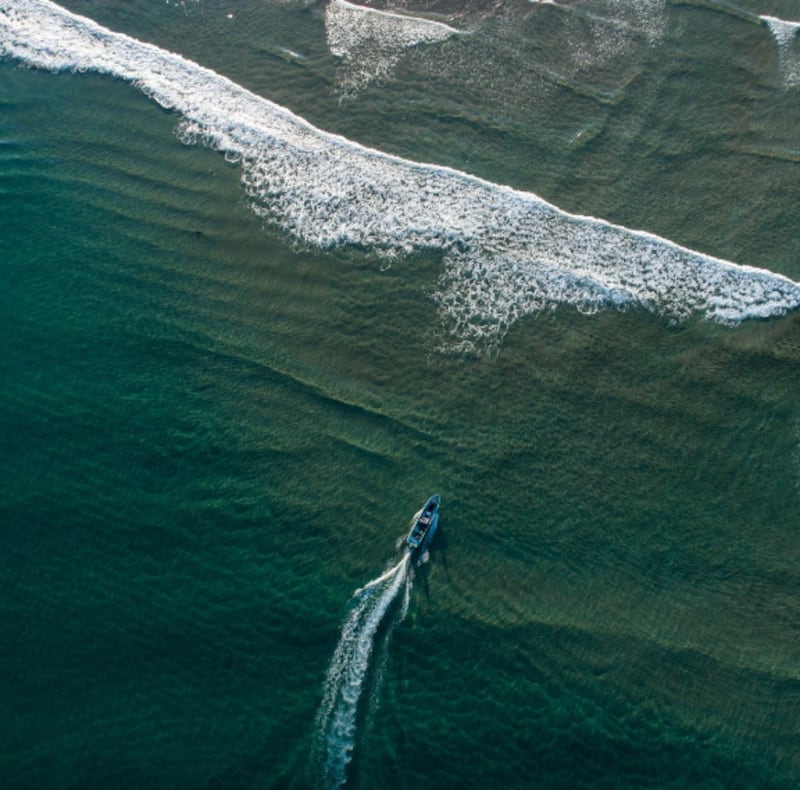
(506, 253)
(371, 42)
(337, 717)
(787, 37)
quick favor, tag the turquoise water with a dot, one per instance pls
(229, 381)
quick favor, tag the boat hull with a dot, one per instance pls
(425, 526)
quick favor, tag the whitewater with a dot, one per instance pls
(336, 724)
(506, 253)
(370, 42)
(786, 34)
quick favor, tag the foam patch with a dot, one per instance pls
(506, 253)
(370, 43)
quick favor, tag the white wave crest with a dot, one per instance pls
(371, 42)
(506, 253)
(337, 716)
(786, 37)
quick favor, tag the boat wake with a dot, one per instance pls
(336, 725)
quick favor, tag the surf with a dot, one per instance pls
(506, 254)
(349, 25)
(337, 719)
(786, 34)
(370, 42)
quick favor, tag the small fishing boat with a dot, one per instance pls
(424, 525)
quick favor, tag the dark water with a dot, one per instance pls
(212, 433)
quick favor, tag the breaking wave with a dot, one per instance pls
(506, 253)
(371, 42)
(787, 37)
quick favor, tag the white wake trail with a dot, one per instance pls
(375, 582)
(336, 726)
(382, 660)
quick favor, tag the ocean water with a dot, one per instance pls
(275, 271)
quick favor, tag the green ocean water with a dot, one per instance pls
(212, 434)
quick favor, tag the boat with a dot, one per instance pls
(425, 525)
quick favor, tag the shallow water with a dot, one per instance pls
(214, 431)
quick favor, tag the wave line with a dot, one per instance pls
(506, 253)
